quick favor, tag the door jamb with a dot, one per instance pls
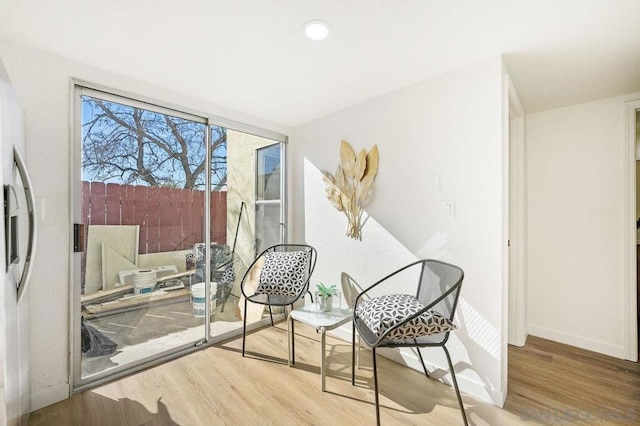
(517, 312)
(630, 324)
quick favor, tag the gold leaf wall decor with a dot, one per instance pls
(351, 187)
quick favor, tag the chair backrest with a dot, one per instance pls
(436, 279)
(288, 248)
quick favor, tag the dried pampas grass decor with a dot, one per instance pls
(351, 188)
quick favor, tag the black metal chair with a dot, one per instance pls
(284, 279)
(403, 320)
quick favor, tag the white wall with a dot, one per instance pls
(439, 140)
(576, 234)
(43, 83)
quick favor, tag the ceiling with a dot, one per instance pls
(252, 56)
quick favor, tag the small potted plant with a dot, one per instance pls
(323, 295)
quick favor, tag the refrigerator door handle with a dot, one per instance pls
(31, 207)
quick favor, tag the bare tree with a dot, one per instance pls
(129, 145)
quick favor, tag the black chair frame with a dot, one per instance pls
(276, 300)
(374, 341)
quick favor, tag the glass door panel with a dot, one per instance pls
(253, 219)
(143, 202)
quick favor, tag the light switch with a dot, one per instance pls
(448, 208)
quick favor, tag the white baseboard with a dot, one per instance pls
(49, 396)
(583, 342)
(408, 358)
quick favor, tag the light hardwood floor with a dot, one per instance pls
(216, 386)
(560, 384)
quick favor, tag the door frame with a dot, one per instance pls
(517, 217)
(76, 384)
(78, 88)
(630, 325)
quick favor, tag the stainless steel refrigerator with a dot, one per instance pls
(17, 235)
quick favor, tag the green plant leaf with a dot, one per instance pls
(326, 291)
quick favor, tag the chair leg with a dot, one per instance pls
(455, 385)
(225, 297)
(359, 352)
(244, 325)
(426, 373)
(353, 353)
(293, 341)
(271, 315)
(375, 386)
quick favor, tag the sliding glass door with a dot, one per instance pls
(168, 219)
(246, 227)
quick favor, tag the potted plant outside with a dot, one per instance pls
(324, 297)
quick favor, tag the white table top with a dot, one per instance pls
(311, 316)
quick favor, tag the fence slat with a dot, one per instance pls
(175, 199)
(112, 204)
(86, 217)
(142, 217)
(153, 204)
(128, 204)
(187, 219)
(166, 219)
(86, 202)
(218, 218)
(197, 214)
(97, 214)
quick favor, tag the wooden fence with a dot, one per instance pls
(170, 219)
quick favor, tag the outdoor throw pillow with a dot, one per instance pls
(383, 312)
(229, 274)
(283, 273)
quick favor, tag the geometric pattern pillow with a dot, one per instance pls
(283, 273)
(383, 312)
(229, 274)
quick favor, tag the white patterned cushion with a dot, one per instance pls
(284, 273)
(383, 312)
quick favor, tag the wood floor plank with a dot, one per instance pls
(549, 383)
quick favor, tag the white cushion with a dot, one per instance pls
(383, 312)
(284, 273)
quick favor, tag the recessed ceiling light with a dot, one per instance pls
(316, 30)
